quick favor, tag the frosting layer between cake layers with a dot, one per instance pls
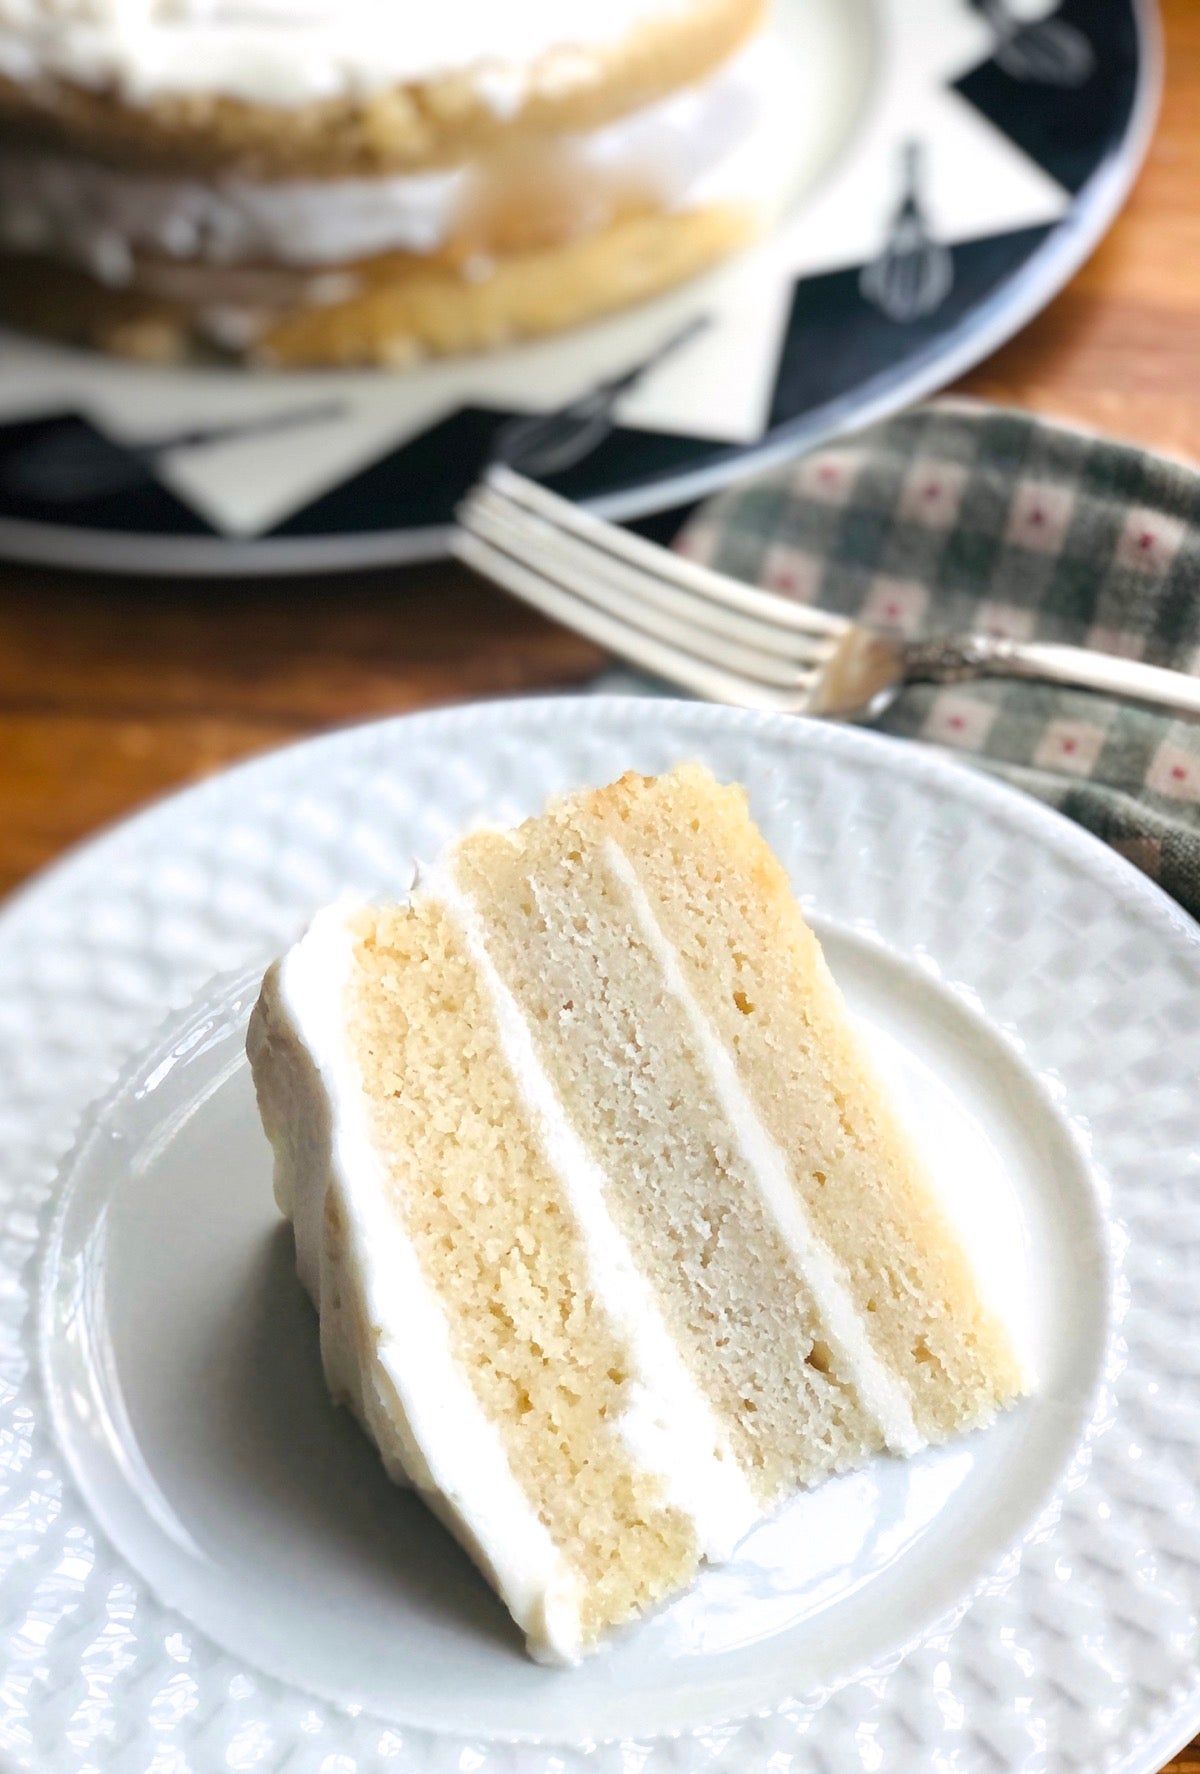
(723, 142)
(879, 1390)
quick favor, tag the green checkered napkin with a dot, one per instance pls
(956, 517)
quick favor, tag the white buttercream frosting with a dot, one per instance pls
(406, 1384)
(720, 142)
(291, 52)
(882, 1394)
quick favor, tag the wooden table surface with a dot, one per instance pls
(114, 691)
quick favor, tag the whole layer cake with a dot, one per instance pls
(372, 181)
(615, 1239)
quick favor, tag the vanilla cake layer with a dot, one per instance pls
(597, 1086)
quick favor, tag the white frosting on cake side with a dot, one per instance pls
(882, 1394)
(384, 1339)
(721, 142)
(293, 52)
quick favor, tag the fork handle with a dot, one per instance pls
(953, 660)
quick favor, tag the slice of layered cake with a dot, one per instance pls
(615, 1240)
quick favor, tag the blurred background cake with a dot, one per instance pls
(371, 181)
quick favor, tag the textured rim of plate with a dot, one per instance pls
(1011, 307)
(1026, 1650)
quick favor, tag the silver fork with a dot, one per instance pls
(730, 642)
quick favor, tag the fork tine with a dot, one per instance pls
(656, 589)
(730, 594)
(660, 612)
(617, 636)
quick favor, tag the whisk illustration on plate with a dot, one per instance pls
(1046, 51)
(914, 273)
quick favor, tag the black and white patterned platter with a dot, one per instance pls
(956, 162)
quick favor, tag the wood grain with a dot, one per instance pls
(112, 692)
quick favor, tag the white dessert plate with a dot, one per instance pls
(203, 1566)
(951, 164)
